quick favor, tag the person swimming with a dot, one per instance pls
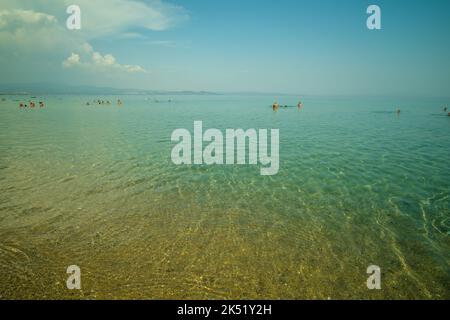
(119, 102)
(398, 111)
(32, 104)
(445, 109)
(41, 104)
(21, 105)
(300, 105)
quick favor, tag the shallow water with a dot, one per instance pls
(94, 186)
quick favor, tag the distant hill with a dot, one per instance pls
(47, 88)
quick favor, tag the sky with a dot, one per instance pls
(289, 46)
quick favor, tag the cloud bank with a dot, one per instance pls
(95, 60)
(35, 29)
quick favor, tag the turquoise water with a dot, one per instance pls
(94, 186)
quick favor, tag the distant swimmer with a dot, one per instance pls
(398, 111)
(275, 106)
(445, 109)
(41, 104)
(32, 105)
(21, 105)
(88, 104)
(300, 105)
(119, 102)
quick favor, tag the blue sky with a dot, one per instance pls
(291, 46)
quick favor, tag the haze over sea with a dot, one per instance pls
(95, 186)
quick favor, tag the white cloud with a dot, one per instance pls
(74, 59)
(23, 31)
(132, 69)
(98, 62)
(14, 19)
(33, 33)
(104, 17)
(109, 17)
(106, 60)
(132, 35)
(164, 43)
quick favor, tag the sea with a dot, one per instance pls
(93, 185)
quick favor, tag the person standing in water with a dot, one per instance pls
(275, 106)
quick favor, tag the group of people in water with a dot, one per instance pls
(276, 106)
(103, 102)
(398, 111)
(31, 104)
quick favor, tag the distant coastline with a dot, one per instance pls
(27, 89)
(64, 89)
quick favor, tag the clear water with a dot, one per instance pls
(94, 186)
